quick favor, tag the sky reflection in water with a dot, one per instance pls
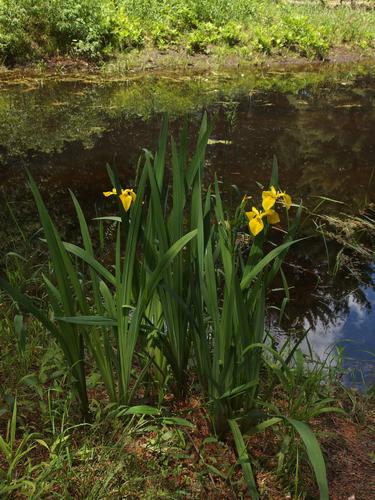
(354, 331)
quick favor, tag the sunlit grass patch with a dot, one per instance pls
(97, 30)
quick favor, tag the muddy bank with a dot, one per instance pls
(151, 61)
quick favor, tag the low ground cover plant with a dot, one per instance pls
(96, 30)
(182, 302)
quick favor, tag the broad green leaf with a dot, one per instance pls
(91, 261)
(244, 459)
(141, 410)
(253, 272)
(177, 421)
(88, 320)
(315, 455)
(267, 423)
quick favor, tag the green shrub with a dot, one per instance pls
(79, 27)
(294, 33)
(183, 17)
(202, 37)
(231, 34)
(304, 38)
(22, 29)
(163, 35)
(32, 29)
(124, 32)
(221, 12)
(92, 29)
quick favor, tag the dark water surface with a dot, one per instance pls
(319, 122)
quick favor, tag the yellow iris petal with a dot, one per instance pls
(253, 213)
(272, 216)
(287, 200)
(127, 197)
(126, 200)
(269, 198)
(110, 193)
(255, 221)
(256, 225)
(131, 193)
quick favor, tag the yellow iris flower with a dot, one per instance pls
(270, 197)
(127, 197)
(256, 223)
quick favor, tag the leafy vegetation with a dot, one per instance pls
(96, 30)
(179, 311)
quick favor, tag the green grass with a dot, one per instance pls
(98, 30)
(113, 456)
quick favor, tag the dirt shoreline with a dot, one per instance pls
(152, 62)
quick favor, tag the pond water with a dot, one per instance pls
(318, 121)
